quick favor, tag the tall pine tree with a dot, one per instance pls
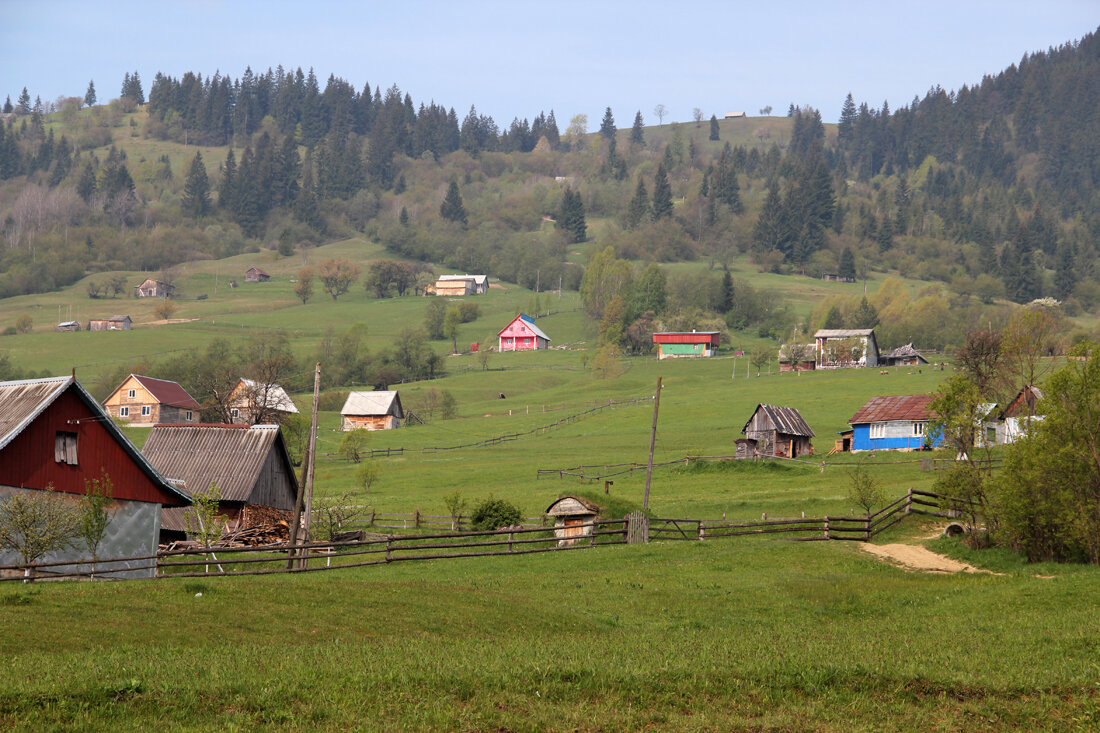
(196, 189)
(607, 125)
(452, 209)
(637, 135)
(662, 194)
(89, 96)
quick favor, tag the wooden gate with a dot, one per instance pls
(637, 527)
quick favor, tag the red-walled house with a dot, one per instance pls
(677, 344)
(522, 335)
(53, 434)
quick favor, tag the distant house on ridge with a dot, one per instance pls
(458, 285)
(151, 288)
(256, 275)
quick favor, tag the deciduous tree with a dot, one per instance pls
(337, 276)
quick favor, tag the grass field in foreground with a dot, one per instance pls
(726, 634)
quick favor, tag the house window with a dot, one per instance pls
(878, 430)
(918, 428)
(146, 410)
(131, 393)
(64, 450)
(234, 412)
(188, 418)
(124, 412)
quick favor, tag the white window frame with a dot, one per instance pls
(918, 428)
(131, 393)
(878, 430)
(189, 416)
(235, 412)
(146, 410)
(124, 412)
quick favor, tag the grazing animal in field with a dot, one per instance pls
(502, 396)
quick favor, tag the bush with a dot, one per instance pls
(332, 400)
(493, 514)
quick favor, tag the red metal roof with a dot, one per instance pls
(168, 393)
(895, 407)
(687, 337)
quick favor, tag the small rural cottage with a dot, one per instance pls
(1016, 418)
(53, 434)
(154, 289)
(378, 410)
(570, 513)
(522, 335)
(796, 358)
(145, 401)
(256, 275)
(253, 402)
(677, 344)
(836, 348)
(775, 431)
(114, 323)
(68, 326)
(894, 423)
(902, 356)
(462, 285)
(250, 465)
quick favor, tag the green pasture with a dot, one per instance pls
(721, 635)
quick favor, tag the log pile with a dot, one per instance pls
(276, 533)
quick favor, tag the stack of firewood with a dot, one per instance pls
(258, 534)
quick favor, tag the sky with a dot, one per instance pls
(514, 59)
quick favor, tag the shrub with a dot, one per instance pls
(332, 401)
(24, 324)
(493, 514)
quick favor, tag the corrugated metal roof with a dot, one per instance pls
(168, 393)
(894, 407)
(373, 403)
(786, 420)
(276, 398)
(24, 400)
(843, 333)
(902, 352)
(231, 455)
(530, 324)
(687, 337)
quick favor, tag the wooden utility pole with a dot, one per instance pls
(305, 485)
(652, 441)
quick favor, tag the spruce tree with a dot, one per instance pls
(403, 219)
(607, 125)
(662, 194)
(1065, 274)
(7, 105)
(848, 116)
(638, 212)
(713, 127)
(89, 96)
(196, 189)
(86, 184)
(637, 134)
(866, 315)
(452, 209)
(727, 293)
(847, 264)
(24, 107)
(227, 187)
(571, 216)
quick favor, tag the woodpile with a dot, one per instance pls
(276, 533)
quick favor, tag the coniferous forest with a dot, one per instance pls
(988, 192)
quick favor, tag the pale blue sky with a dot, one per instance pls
(515, 59)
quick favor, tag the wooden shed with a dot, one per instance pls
(151, 288)
(571, 514)
(68, 326)
(114, 323)
(256, 275)
(55, 436)
(250, 464)
(778, 431)
(379, 410)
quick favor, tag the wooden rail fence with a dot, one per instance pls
(518, 540)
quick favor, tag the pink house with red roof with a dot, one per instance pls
(522, 335)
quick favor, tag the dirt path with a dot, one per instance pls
(916, 557)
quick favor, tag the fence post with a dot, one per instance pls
(909, 500)
(827, 535)
(416, 518)
(867, 528)
(389, 547)
(702, 532)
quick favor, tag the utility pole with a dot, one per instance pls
(305, 486)
(652, 441)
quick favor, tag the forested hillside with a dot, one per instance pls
(988, 193)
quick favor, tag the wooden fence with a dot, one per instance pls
(495, 439)
(519, 540)
(367, 519)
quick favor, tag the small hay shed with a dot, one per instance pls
(572, 518)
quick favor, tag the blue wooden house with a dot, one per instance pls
(894, 423)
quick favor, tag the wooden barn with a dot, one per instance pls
(145, 401)
(250, 464)
(895, 422)
(256, 275)
(570, 513)
(778, 431)
(151, 288)
(114, 323)
(379, 410)
(521, 334)
(68, 326)
(680, 344)
(253, 402)
(902, 356)
(54, 435)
